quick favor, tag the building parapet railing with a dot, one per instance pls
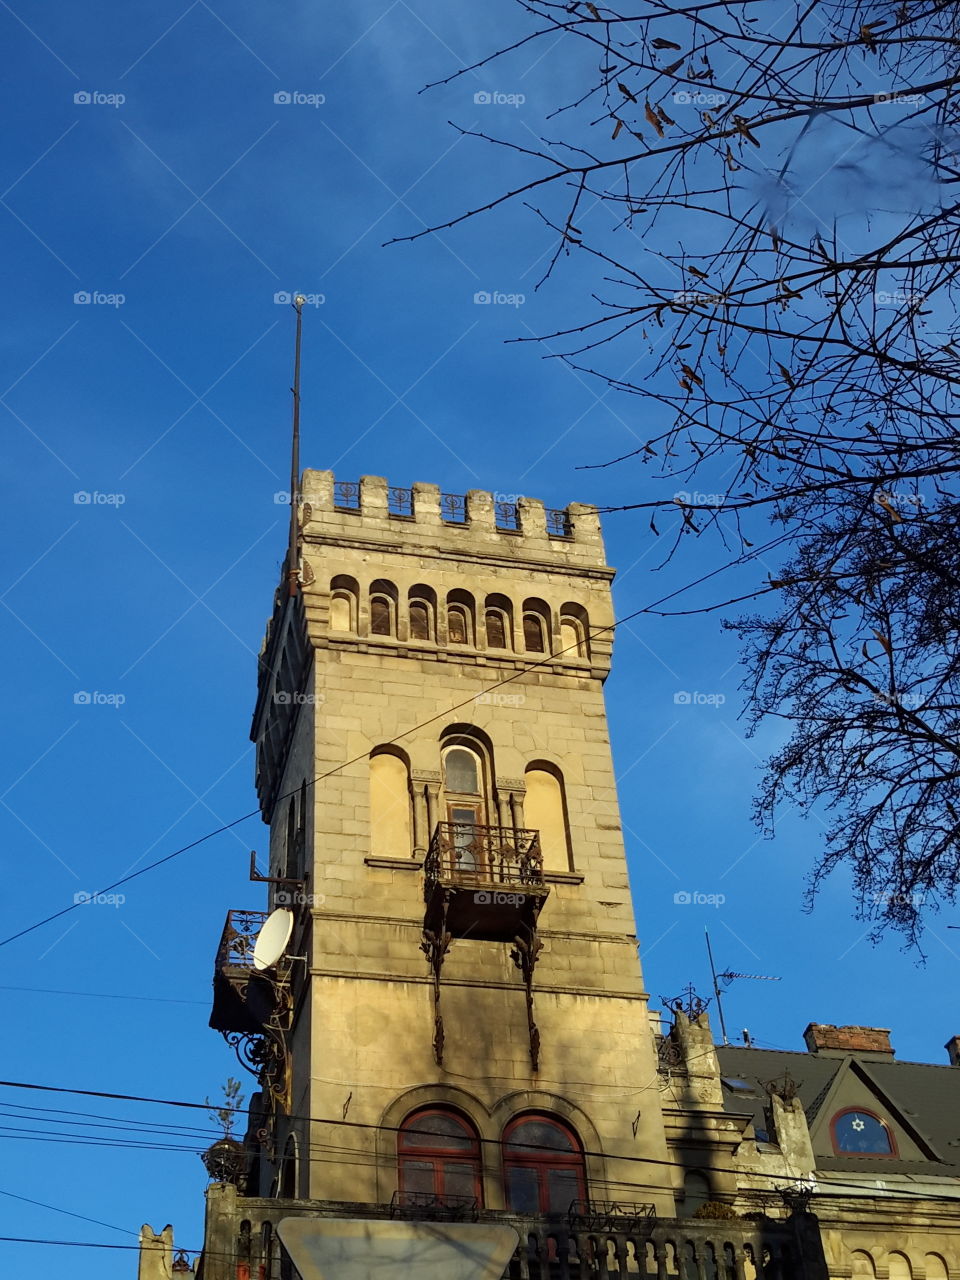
(474, 855)
(760, 1248)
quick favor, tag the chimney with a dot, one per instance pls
(953, 1050)
(822, 1038)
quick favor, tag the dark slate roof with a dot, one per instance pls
(923, 1097)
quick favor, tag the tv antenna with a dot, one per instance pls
(726, 978)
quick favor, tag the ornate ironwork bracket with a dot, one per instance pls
(524, 955)
(435, 946)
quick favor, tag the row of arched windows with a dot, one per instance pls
(460, 619)
(438, 1154)
(468, 797)
(898, 1266)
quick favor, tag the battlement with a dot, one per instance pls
(511, 526)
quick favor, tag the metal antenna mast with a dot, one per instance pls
(726, 978)
(293, 558)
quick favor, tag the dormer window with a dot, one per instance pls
(860, 1133)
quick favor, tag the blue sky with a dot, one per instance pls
(198, 198)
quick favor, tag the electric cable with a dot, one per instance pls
(346, 764)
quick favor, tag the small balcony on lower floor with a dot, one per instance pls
(483, 882)
(598, 1242)
(242, 999)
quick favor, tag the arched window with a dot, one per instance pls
(496, 625)
(857, 1132)
(863, 1265)
(498, 622)
(536, 626)
(458, 630)
(383, 608)
(290, 869)
(288, 1170)
(574, 632)
(390, 822)
(533, 633)
(422, 612)
(460, 617)
(696, 1191)
(543, 1166)
(344, 598)
(381, 616)
(545, 810)
(898, 1267)
(438, 1153)
(420, 628)
(935, 1267)
(465, 794)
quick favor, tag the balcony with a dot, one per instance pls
(647, 1248)
(483, 882)
(242, 1000)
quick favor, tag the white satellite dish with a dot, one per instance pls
(273, 938)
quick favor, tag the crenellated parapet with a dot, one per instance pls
(510, 525)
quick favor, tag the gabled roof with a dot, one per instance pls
(920, 1099)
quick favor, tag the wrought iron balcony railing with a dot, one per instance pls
(237, 940)
(427, 1206)
(469, 854)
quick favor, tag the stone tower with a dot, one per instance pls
(468, 1016)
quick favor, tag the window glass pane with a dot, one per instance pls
(341, 614)
(533, 633)
(419, 621)
(439, 1132)
(459, 1179)
(457, 626)
(523, 1193)
(531, 1134)
(860, 1133)
(417, 1175)
(570, 641)
(461, 772)
(496, 632)
(380, 616)
(563, 1187)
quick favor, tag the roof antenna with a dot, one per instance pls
(293, 557)
(726, 978)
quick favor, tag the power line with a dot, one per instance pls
(381, 1128)
(102, 995)
(56, 1209)
(441, 715)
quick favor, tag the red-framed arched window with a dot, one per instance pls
(543, 1165)
(438, 1152)
(858, 1132)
